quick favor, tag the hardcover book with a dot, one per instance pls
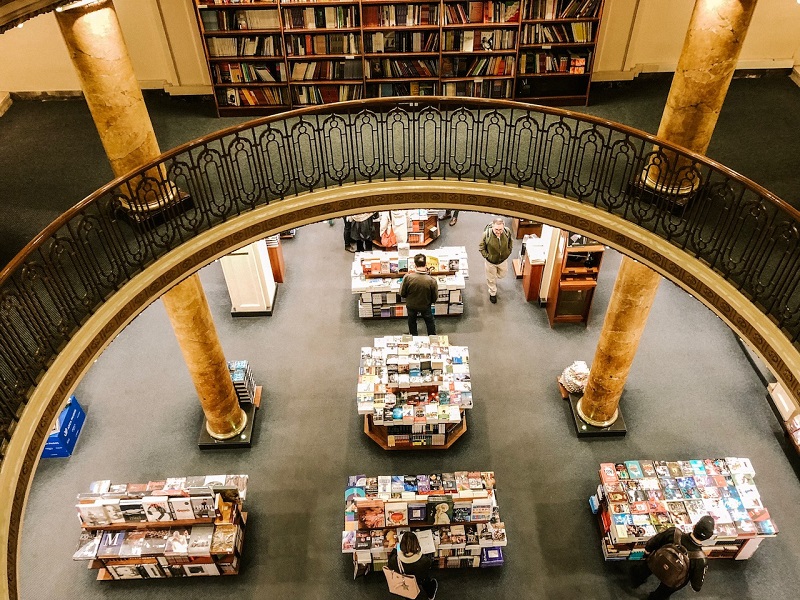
(93, 514)
(396, 513)
(634, 469)
(133, 510)
(157, 508)
(449, 483)
(110, 544)
(440, 510)
(88, 544)
(370, 514)
(133, 544)
(417, 511)
(155, 542)
(200, 540)
(203, 507)
(224, 539)
(113, 512)
(177, 543)
(181, 507)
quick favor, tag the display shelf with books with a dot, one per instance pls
(175, 527)
(558, 42)
(243, 44)
(455, 516)
(413, 392)
(376, 278)
(638, 498)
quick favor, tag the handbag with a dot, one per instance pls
(389, 239)
(400, 583)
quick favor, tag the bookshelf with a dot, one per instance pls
(376, 277)
(177, 527)
(573, 280)
(268, 56)
(455, 516)
(637, 499)
(414, 392)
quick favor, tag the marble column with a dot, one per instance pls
(191, 319)
(705, 68)
(94, 39)
(631, 300)
(98, 52)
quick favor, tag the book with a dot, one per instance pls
(113, 512)
(417, 511)
(224, 539)
(156, 508)
(93, 514)
(133, 510)
(200, 540)
(177, 542)
(440, 510)
(203, 507)
(154, 542)
(425, 538)
(133, 544)
(181, 507)
(462, 511)
(110, 544)
(634, 469)
(371, 514)
(396, 513)
(88, 544)
(449, 483)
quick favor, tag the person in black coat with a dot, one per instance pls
(693, 542)
(414, 563)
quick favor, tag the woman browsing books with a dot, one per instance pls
(415, 563)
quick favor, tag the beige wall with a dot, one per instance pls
(162, 40)
(646, 36)
(637, 36)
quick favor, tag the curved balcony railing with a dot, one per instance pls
(740, 230)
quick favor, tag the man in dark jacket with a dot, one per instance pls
(495, 247)
(414, 563)
(419, 290)
(693, 542)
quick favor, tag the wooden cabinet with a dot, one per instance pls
(531, 278)
(267, 56)
(573, 282)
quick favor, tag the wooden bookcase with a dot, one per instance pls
(455, 515)
(268, 56)
(631, 510)
(123, 536)
(573, 281)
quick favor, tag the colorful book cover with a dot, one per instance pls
(608, 473)
(410, 483)
(475, 481)
(370, 514)
(435, 482)
(674, 469)
(396, 513)
(648, 468)
(698, 466)
(462, 480)
(417, 511)
(662, 470)
(449, 483)
(423, 485)
(634, 469)
(440, 510)
(398, 485)
(622, 471)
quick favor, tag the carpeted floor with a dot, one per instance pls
(691, 393)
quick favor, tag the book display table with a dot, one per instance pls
(454, 515)
(376, 277)
(414, 391)
(637, 499)
(177, 527)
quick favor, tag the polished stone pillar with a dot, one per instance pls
(705, 68)
(716, 33)
(633, 295)
(191, 319)
(98, 52)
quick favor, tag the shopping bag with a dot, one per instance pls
(401, 584)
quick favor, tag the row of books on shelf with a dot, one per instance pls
(496, 88)
(561, 9)
(479, 39)
(491, 11)
(327, 17)
(467, 536)
(436, 499)
(419, 355)
(391, 311)
(378, 68)
(239, 20)
(580, 32)
(448, 259)
(258, 45)
(334, 43)
(401, 41)
(393, 298)
(325, 94)
(172, 499)
(236, 72)
(263, 96)
(327, 69)
(425, 370)
(554, 62)
(642, 498)
(418, 415)
(400, 15)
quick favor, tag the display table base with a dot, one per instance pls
(583, 429)
(243, 440)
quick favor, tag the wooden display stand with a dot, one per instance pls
(531, 278)
(381, 436)
(573, 282)
(522, 227)
(419, 232)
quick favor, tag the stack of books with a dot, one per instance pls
(243, 381)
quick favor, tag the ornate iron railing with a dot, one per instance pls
(740, 230)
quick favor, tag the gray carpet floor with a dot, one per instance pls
(691, 392)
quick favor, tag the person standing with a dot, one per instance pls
(361, 231)
(419, 290)
(454, 215)
(495, 247)
(414, 563)
(695, 572)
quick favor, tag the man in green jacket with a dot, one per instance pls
(419, 290)
(495, 247)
